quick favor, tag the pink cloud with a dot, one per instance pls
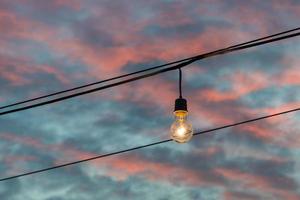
(51, 70)
(13, 78)
(255, 182)
(209, 151)
(12, 159)
(103, 61)
(36, 143)
(122, 167)
(107, 61)
(291, 73)
(16, 71)
(171, 16)
(76, 5)
(289, 7)
(259, 131)
(24, 140)
(242, 83)
(247, 179)
(22, 28)
(131, 165)
(279, 130)
(119, 167)
(233, 195)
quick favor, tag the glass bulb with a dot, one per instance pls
(181, 130)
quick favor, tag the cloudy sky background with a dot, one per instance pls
(47, 46)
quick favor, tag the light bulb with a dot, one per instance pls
(181, 131)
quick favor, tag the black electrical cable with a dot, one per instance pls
(206, 55)
(90, 84)
(96, 89)
(180, 83)
(137, 72)
(147, 145)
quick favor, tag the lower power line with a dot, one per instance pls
(147, 145)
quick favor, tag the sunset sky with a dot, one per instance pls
(47, 46)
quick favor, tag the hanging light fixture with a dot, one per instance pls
(181, 131)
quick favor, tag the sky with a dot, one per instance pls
(48, 46)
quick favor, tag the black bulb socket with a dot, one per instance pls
(180, 105)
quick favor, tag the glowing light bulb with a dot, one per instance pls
(181, 131)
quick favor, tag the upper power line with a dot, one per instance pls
(145, 146)
(138, 72)
(159, 69)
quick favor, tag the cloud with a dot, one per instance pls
(18, 71)
(242, 83)
(255, 182)
(56, 44)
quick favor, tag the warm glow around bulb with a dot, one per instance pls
(181, 130)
